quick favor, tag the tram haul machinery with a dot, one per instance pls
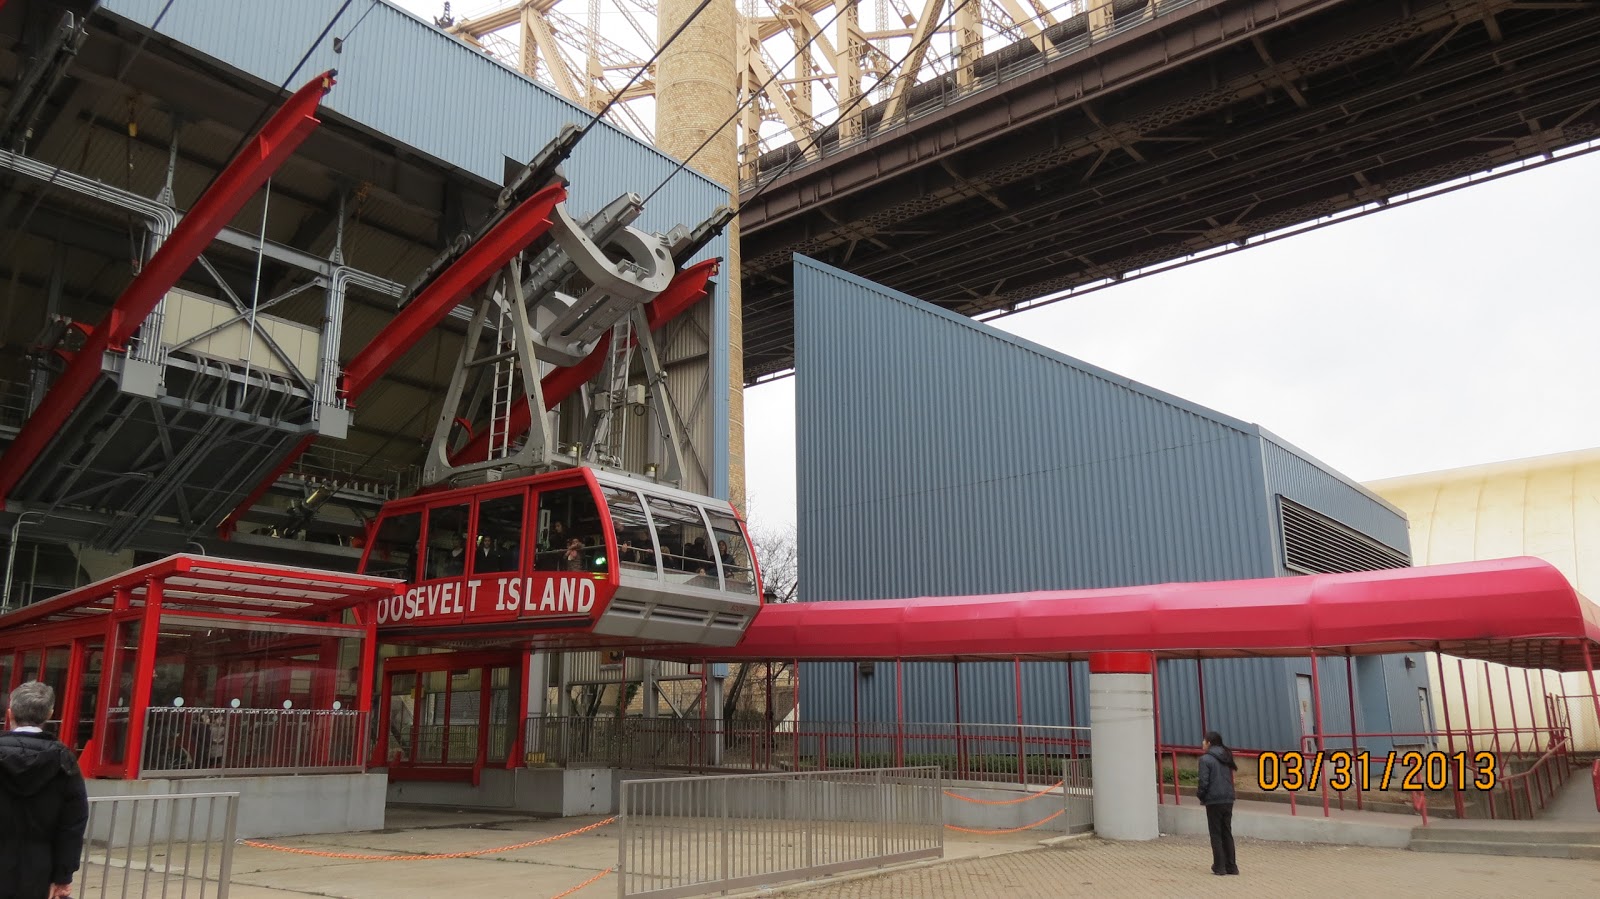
(521, 537)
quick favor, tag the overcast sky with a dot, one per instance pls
(1458, 330)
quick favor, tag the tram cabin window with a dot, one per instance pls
(570, 537)
(394, 547)
(737, 574)
(634, 550)
(447, 542)
(685, 542)
(499, 535)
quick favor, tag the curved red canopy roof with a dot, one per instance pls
(1518, 611)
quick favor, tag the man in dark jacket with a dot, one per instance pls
(1216, 794)
(43, 806)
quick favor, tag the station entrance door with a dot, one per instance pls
(450, 715)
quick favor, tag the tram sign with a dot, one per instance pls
(465, 600)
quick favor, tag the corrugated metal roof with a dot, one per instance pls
(402, 78)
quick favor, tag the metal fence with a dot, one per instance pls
(178, 845)
(692, 835)
(1077, 792)
(201, 742)
(1022, 754)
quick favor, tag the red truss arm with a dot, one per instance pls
(263, 156)
(521, 227)
(688, 287)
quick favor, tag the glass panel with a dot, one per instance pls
(394, 547)
(447, 542)
(434, 721)
(685, 546)
(634, 549)
(737, 573)
(499, 535)
(402, 716)
(7, 659)
(115, 745)
(569, 531)
(501, 726)
(94, 656)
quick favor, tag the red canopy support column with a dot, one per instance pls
(1200, 689)
(961, 749)
(144, 675)
(1316, 722)
(1072, 709)
(1449, 730)
(1355, 746)
(1123, 734)
(1022, 754)
(899, 715)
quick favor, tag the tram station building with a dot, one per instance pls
(980, 462)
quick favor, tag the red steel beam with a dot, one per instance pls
(520, 228)
(263, 156)
(688, 287)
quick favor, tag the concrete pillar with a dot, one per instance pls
(1122, 745)
(715, 740)
(696, 90)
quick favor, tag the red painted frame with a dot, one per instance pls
(98, 611)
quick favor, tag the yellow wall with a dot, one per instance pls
(1548, 507)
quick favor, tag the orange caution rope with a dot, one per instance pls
(426, 856)
(1043, 820)
(1028, 798)
(565, 894)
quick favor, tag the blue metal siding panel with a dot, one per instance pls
(939, 456)
(1024, 469)
(1301, 479)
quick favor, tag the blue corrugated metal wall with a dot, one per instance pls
(1387, 690)
(938, 456)
(401, 78)
(1021, 468)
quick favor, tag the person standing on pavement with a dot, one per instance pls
(43, 804)
(1216, 794)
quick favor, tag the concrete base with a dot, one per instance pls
(552, 792)
(1265, 821)
(1006, 812)
(270, 806)
(1122, 742)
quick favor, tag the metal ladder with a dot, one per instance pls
(612, 429)
(504, 390)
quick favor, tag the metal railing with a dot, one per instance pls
(1023, 754)
(202, 742)
(1077, 793)
(165, 845)
(693, 835)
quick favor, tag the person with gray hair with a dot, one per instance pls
(43, 805)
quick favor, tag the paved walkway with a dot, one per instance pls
(1010, 866)
(1181, 867)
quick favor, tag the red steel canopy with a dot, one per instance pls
(1518, 611)
(190, 583)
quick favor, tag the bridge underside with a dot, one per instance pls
(1208, 125)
